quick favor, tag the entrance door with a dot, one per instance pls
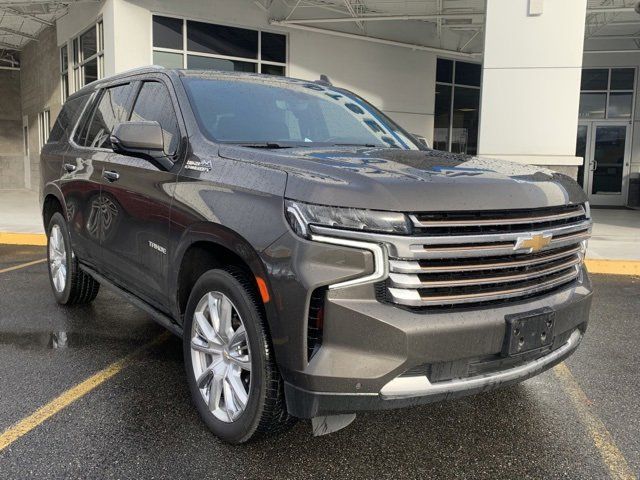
(605, 147)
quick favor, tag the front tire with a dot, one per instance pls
(232, 375)
(70, 285)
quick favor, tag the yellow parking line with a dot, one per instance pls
(45, 412)
(10, 238)
(22, 265)
(613, 267)
(611, 455)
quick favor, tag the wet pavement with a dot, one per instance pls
(140, 423)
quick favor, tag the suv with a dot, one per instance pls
(316, 258)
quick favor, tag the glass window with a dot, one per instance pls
(154, 104)
(304, 114)
(168, 59)
(222, 40)
(196, 62)
(466, 114)
(594, 79)
(442, 117)
(274, 47)
(110, 110)
(622, 78)
(592, 105)
(468, 74)
(167, 32)
(89, 43)
(67, 118)
(444, 71)
(619, 105)
(273, 69)
(90, 71)
(609, 153)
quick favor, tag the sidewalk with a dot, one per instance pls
(616, 232)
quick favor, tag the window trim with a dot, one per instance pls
(185, 52)
(78, 63)
(44, 116)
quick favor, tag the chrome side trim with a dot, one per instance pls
(380, 263)
(407, 387)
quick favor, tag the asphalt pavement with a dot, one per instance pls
(139, 423)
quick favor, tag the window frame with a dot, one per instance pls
(65, 85)
(76, 56)
(44, 127)
(608, 93)
(453, 86)
(185, 52)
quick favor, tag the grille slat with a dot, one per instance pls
(523, 253)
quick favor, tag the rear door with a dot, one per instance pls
(136, 247)
(83, 167)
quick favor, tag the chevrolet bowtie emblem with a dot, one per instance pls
(533, 243)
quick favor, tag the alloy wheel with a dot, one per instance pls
(57, 259)
(220, 356)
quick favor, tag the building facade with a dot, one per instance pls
(514, 80)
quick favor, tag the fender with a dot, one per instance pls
(54, 190)
(225, 237)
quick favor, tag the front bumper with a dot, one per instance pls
(369, 348)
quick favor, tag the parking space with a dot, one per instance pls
(577, 423)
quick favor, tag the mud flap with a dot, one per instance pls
(332, 423)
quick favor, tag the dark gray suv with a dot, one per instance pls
(317, 259)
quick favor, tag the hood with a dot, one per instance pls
(409, 180)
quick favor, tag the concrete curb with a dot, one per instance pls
(611, 267)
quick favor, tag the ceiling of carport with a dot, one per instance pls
(451, 26)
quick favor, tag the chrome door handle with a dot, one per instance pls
(110, 175)
(69, 167)
(594, 165)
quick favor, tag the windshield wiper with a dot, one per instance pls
(268, 145)
(369, 145)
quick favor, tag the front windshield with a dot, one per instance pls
(251, 112)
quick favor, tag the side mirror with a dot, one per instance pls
(421, 139)
(141, 139)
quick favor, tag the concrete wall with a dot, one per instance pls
(12, 160)
(40, 87)
(399, 81)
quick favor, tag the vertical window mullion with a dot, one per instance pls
(453, 93)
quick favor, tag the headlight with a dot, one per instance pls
(301, 215)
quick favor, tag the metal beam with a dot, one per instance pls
(610, 9)
(10, 46)
(614, 37)
(18, 13)
(412, 46)
(613, 51)
(19, 33)
(382, 18)
(352, 12)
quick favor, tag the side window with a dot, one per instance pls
(154, 104)
(111, 110)
(67, 118)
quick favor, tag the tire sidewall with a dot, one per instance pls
(58, 219)
(243, 428)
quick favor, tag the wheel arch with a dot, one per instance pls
(204, 247)
(52, 201)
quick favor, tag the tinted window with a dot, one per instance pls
(167, 32)
(274, 47)
(196, 62)
(444, 71)
(88, 43)
(111, 109)
(594, 79)
(302, 113)
(67, 118)
(468, 74)
(154, 104)
(277, 70)
(222, 40)
(622, 78)
(442, 117)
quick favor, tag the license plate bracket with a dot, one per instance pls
(528, 331)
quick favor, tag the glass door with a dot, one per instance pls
(607, 172)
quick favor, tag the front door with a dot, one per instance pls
(605, 147)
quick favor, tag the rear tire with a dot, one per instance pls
(70, 285)
(231, 372)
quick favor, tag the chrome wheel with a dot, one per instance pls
(57, 259)
(220, 356)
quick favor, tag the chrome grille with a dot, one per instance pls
(463, 258)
